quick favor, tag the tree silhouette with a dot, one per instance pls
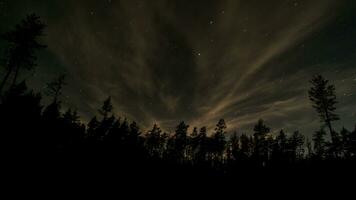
(54, 88)
(218, 139)
(261, 146)
(319, 143)
(110, 130)
(134, 135)
(153, 141)
(193, 144)
(352, 143)
(233, 149)
(280, 149)
(23, 43)
(92, 126)
(322, 95)
(44, 135)
(309, 148)
(202, 149)
(345, 141)
(112, 140)
(72, 131)
(246, 147)
(106, 108)
(296, 143)
(180, 142)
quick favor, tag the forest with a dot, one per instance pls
(38, 135)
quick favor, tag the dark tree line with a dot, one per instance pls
(33, 131)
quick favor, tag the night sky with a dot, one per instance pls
(197, 61)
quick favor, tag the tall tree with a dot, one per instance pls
(352, 143)
(260, 138)
(106, 108)
(153, 141)
(54, 88)
(322, 95)
(134, 134)
(71, 117)
(246, 147)
(319, 143)
(73, 131)
(280, 149)
(180, 141)
(309, 147)
(193, 141)
(296, 144)
(106, 127)
(92, 127)
(233, 149)
(202, 150)
(218, 139)
(22, 45)
(345, 142)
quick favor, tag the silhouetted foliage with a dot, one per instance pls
(322, 95)
(32, 132)
(106, 108)
(260, 139)
(110, 140)
(218, 140)
(154, 142)
(22, 45)
(54, 88)
(319, 143)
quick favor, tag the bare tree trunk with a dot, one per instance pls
(5, 80)
(328, 123)
(15, 77)
(331, 131)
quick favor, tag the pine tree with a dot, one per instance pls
(71, 117)
(23, 43)
(260, 139)
(296, 143)
(106, 108)
(218, 139)
(134, 129)
(322, 95)
(153, 140)
(193, 141)
(345, 142)
(280, 148)
(92, 127)
(54, 88)
(233, 149)
(319, 143)
(352, 143)
(246, 147)
(202, 149)
(180, 141)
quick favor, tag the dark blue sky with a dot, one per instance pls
(198, 61)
